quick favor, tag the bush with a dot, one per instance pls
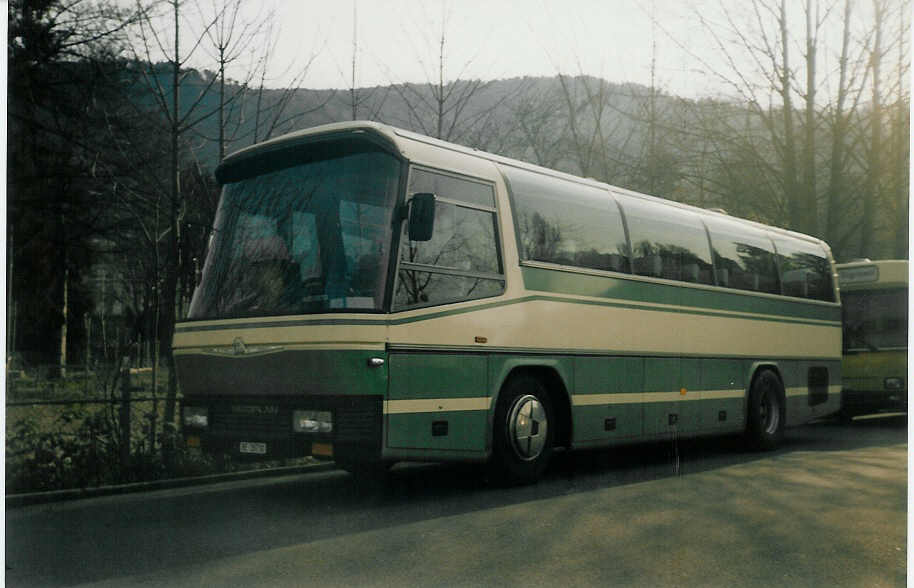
(76, 453)
(81, 449)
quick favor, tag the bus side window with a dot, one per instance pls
(743, 257)
(667, 242)
(565, 223)
(462, 260)
(805, 269)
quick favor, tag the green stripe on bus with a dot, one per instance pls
(693, 300)
(618, 294)
(463, 430)
(549, 353)
(421, 376)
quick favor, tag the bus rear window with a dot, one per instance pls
(875, 320)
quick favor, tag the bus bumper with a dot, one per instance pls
(859, 402)
(262, 427)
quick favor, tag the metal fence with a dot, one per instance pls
(120, 391)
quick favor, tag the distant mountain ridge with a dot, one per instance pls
(486, 112)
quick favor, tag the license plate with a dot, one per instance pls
(253, 448)
(322, 449)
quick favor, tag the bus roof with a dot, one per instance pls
(866, 275)
(414, 146)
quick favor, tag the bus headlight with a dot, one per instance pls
(312, 421)
(894, 383)
(196, 416)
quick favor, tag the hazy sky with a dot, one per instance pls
(398, 40)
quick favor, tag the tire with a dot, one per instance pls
(524, 431)
(766, 414)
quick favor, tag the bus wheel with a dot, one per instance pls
(524, 431)
(766, 414)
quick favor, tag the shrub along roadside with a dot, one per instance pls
(81, 449)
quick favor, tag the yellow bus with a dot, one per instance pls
(372, 295)
(874, 295)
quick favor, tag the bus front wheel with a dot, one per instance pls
(524, 431)
(767, 412)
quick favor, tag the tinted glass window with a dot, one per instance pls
(450, 187)
(311, 237)
(805, 271)
(571, 224)
(875, 320)
(463, 239)
(668, 242)
(743, 256)
(419, 288)
(461, 261)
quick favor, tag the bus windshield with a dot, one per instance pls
(313, 235)
(875, 320)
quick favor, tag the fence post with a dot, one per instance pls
(125, 418)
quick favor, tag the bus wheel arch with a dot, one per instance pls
(530, 397)
(766, 408)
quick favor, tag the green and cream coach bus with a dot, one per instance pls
(374, 295)
(875, 316)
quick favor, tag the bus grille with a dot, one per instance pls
(357, 419)
(227, 418)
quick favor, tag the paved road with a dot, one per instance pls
(828, 509)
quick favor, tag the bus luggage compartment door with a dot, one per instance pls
(437, 401)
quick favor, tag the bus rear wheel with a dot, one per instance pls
(766, 415)
(524, 431)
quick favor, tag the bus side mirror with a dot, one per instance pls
(421, 217)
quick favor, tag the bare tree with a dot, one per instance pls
(180, 118)
(899, 177)
(539, 126)
(442, 107)
(364, 103)
(839, 125)
(272, 108)
(229, 37)
(60, 55)
(885, 163)
(872, 185)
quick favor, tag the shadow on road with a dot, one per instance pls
(82, 542)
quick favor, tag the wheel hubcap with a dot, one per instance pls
(527, 427)
(769, 412)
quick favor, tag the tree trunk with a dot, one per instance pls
(63, 325)
(172, 259)
(871, 190)
(836, 180)
(810, 205)
(795, 202)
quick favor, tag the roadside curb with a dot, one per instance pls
(32, 498)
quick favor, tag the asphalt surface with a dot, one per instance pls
(828, 508)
